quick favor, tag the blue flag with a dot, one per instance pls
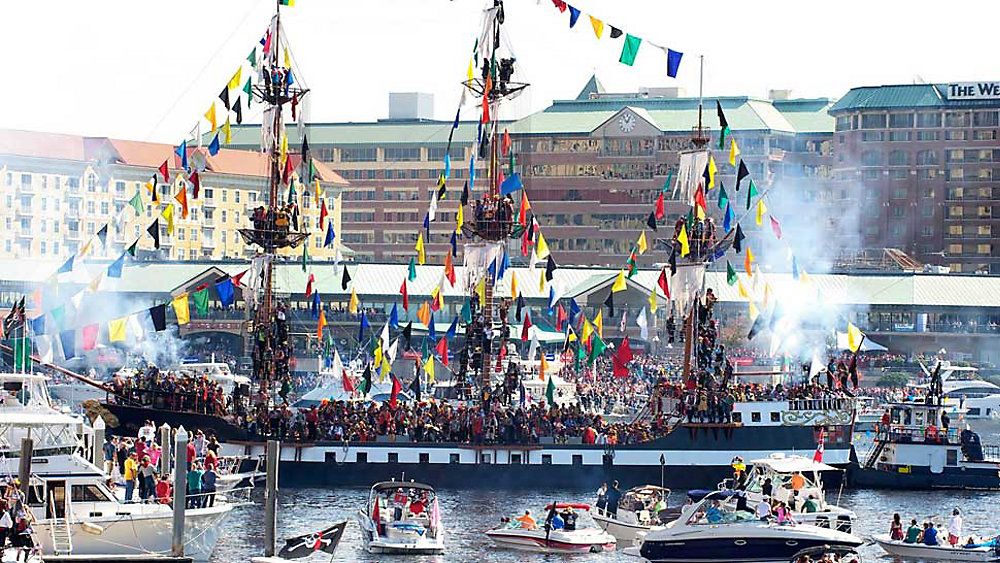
(457, 113)
(673, 62)
(330, 235)
(67, 266)
(472, 171)
(795, 268)
(727, 223)
(227, 293)
(454, 244)
(574, 14)
(492, 269)
(182, 152)
(453, 329)
(116, 267)
(427, 225)
(315, 306)
(213, 147)
(362, 326)
(552, 299)
(431, 333)
(394, 316)
(38, 324)
(447, 165)
(511, 184)
(574, 310)
(68, 340)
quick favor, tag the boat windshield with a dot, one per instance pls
(714, 512)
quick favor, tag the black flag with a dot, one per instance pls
(738, 239)
(465, 193)
(673, 262)
(154, 231)
(550, 268)
(408, 333)
(345, 280)
(224, 95)
(651, 221)
(158, 314)
(366, 380)
(758, 324)
(520, 305)
(615, 32)
(239, 111)
(742, 173)
(415, 387)
(103, 235)
(610, 304)
(306, 545)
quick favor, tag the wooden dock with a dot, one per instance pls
(137, 558)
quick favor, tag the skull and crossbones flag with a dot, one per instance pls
(305, 545)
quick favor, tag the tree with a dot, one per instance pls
(893, 379)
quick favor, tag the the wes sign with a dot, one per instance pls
(973, 91)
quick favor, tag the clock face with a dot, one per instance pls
(626, 122)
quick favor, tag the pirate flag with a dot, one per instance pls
(305, 545)
(610, 304)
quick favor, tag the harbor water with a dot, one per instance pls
(469, 513)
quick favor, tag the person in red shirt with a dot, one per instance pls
(191, 453)
(164, 491)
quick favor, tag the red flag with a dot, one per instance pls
(322, 214)
(522, 215)
(309, 285)
(406, 297)
(561, 4)
(524, 243)
(196, 183)
(525, 326)
(442, 350)
(776, 227)
(396, 387)
(375, 513)
(659, 207)
(621, 358)
(287, 175)
(486, 108)
(560, 318)
(348, 384)
(505, 146)
(662, 282)
(238, 277)
(436, 302)
(818, 455)
(165, 171)
(449, 269)
(699, 199)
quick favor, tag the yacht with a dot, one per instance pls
(575, 536)
(402, 518)
(639, 509)
(963, 388)
(75, 511)
(708, 531)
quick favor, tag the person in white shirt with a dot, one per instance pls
(955, 527)
(148, 432)
(763, 510)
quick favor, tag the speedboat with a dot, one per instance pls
(638, 510)
(402, 518)
(708, 531)
(569, 536)
(780, 470)
(984, 550)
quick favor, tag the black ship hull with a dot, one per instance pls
(921, 478)
(130, 419)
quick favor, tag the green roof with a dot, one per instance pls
(807, 115)
(416, 132)
(887, 97)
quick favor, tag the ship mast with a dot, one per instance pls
(272, 226)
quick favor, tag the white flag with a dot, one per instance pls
(643, 324)
(533, 345)
(432, 209)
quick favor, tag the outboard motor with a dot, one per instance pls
(972, 447)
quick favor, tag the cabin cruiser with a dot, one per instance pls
(566, 534)
(402, 518)
(639, 509)
(709, 530)
(981, 550)
(781, 473)
(962, 387)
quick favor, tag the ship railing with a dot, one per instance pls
(900, 434)
(991, 452)
(827, 404)
(174, 401)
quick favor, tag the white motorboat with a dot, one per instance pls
(639, 509)
(709, 531)
(781, 471)
(402, 518)
(987, 550)
(574, 535)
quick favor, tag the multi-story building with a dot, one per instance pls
(922, 162)
(597, 161)
(59, 190)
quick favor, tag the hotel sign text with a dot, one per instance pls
(973, 91)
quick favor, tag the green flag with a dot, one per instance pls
(751, 193)
(412, 276)
(632, 269)
(305, 257)
(136, 203)
(630, 49)
(58, 315)
(201, 301)
(666, 185)
(723, 196)
(580, 356)
(22, 354)
(597, 347)
(248, 89)
(131, 250)
(252, 57)
(550, 392)
(466, 312)
(730, 274)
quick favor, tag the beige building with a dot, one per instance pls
(58, 191)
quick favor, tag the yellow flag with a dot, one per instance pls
(753, 312)
(236, 81)
(543, 366)
(86, 248)
(734, 151)
(116, 330)
(712, 170)
(421, 257)
(619, 284)
(481, 291)
(742, 289)
(642, 244)
(182, 309)
(210, 116)
(854, 336)
(748, 262)
(227, 133)
(541, 281)
(572, 335)
(804, 277)
(352, 305)
(319, 192)
(468, 72)
(513, 285)
(542, 248)
(377, 354)
(96, 283)
(288, 60)
(599, 323)
(459, 219)
(598, 26)
(683, 239)
(588, 329)
(652, 301)
(429, 370)
(761, 210)
(168, 216)
(284, 149)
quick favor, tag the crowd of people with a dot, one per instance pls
(15, 522)
(177, 391)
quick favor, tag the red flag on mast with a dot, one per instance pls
(406, 297)
(662, 282)
(818, 456)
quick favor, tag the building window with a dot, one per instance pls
(873, 121)
(956, 119)
(928, 120)
(515, 459)
(928, 135)
(984, 249)
(871, 158)
(927, 231)
(358, 154)
(985, 135)
(899, 136)
(577, 459)
(955, 135)
(900, 120)
(898, 212)
(984, 119)
(926, 158)
(393, 457)
(899, 158)
(546, 459)
(899, 193)
(362, 457)
(454, 458)
(755, 417)
(425, 458)
(927, 212)
(872, 136)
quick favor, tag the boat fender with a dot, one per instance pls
(91, 528)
